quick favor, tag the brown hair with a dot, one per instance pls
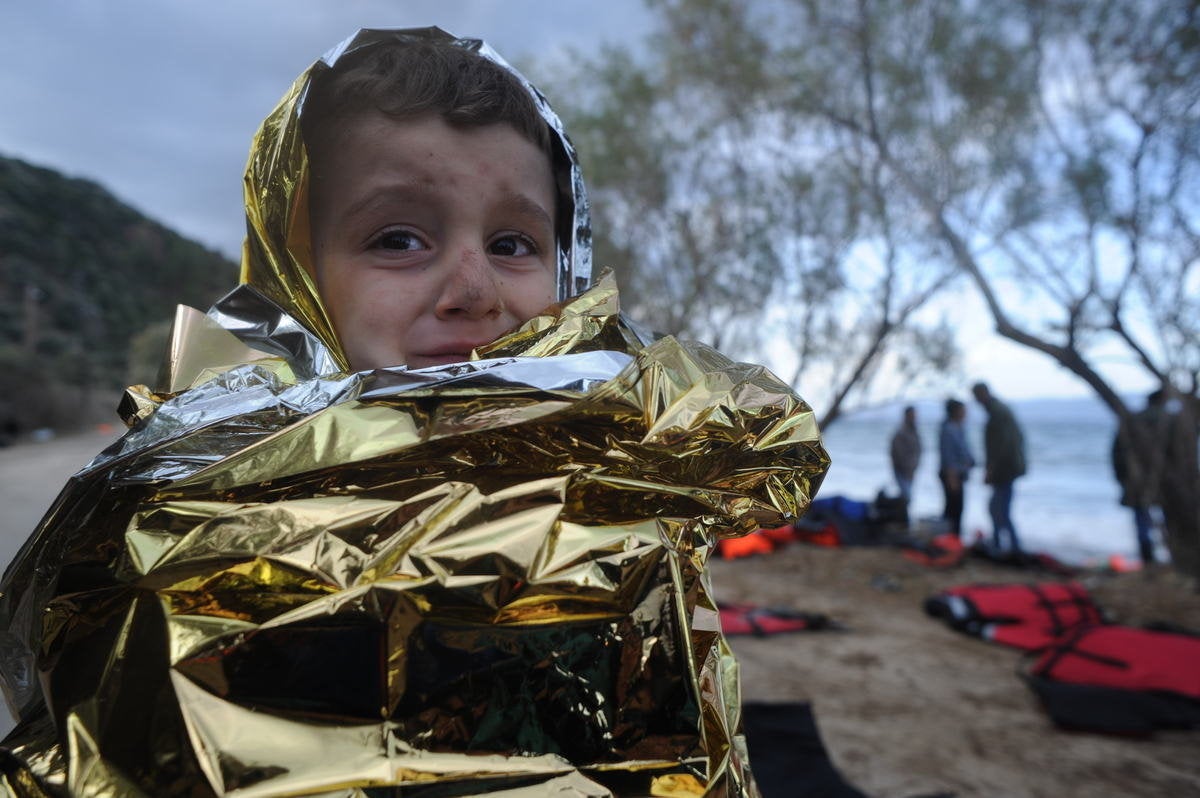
(411, 78)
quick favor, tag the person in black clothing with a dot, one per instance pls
(1004, 462)
(1139, 455)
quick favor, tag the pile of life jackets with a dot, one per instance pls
(765, 541)
(947, 551)
(1089, 675)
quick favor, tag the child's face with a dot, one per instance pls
(430, 240)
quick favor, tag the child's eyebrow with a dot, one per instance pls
(403, 193)
(528, 206)
(394, 193)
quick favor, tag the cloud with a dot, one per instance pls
(158, 101)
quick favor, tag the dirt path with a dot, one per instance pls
(32, 474)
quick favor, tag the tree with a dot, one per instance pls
(721, 228)
(1046, 151)
(81, 273)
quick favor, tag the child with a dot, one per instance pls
(368, 127)
(334, 558)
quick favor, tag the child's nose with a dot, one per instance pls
(470, 288)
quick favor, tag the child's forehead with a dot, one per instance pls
(379, 164)
(376, 125)
(428, 146)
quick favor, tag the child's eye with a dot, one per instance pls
(513, 245)
(401, 240)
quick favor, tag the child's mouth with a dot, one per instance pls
(452, 351)
(441, 359)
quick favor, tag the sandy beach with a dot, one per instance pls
(907, 707)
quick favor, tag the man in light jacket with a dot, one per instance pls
(956, 462)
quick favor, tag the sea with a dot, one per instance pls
(1067, 505)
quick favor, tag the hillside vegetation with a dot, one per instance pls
(83, 276)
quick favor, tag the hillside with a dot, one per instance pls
(81, 276)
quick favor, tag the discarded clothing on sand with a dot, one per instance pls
(790, 760)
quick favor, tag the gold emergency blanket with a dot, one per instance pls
(464, 585)
(482, 578)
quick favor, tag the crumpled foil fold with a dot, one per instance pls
(481, 578)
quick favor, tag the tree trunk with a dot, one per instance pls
(1181, 492)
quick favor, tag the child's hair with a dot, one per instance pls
(413, 78)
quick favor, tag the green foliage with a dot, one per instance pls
(80, 275)
(97, 270)
(1048, 151)
(146, 352)
(842, 160)
(727, 220)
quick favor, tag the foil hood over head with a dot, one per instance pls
(277, 256)
(482, 578)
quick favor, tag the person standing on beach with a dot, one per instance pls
(1139, 454)
(1004, 462)
(906, 453)
(956, 462)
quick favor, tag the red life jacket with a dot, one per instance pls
(1120, 680)
(944, 551)
(826, 535)
(779, 536)
(1029, 617)
(749, 619)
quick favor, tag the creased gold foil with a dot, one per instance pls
(197, 343)
(485, 578)
(494, 586)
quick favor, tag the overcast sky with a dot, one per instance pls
(157, 100)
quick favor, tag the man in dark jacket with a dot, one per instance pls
(905, 451)
(1004, 450)
(1139, 457)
